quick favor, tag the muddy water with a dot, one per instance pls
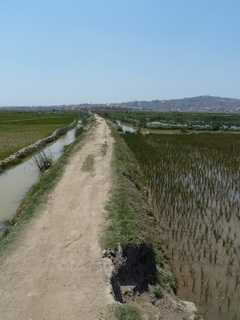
(17, 181)
(126, 128)
(193, 185)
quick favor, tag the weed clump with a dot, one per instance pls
(127, 312)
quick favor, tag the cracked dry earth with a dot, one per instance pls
(54, 271)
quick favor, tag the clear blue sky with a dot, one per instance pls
(72, 51)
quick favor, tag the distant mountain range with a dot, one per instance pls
(195, 104)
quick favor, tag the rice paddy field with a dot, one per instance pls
(193, 187)
(190, 121)
(19, 129)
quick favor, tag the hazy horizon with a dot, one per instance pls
(58, 52)
(114, 102)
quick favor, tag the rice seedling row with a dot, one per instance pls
(193, 185)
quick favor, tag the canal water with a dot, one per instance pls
(126, 128)
(17, 181)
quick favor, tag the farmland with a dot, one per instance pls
(192, 183)
(179, 120)
(19, 129)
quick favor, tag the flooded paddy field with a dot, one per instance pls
(19, 129)
(191, 121)
(17, 181)
(125, 127)
(193, 185)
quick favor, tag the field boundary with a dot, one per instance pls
(23, 153)
(129, 213)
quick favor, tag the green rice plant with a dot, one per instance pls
(20, 129)
(193, 187)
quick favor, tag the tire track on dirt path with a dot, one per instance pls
(55, 272)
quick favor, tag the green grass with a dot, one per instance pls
(122, 312)
(157, 291)
(38, 194)
(126, 202)
(127, 312)
(20, 129)
(130, 217)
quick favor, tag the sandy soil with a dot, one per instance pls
(55, 271)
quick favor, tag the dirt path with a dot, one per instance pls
(56, 270)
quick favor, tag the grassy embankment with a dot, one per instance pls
(129, 211)
(131, 220)
(20, 129)
(38, 194)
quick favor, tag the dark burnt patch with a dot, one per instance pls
(134, 268)
(139, 269)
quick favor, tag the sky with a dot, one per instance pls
(95, 51)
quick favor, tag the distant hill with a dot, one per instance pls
(195, 104)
